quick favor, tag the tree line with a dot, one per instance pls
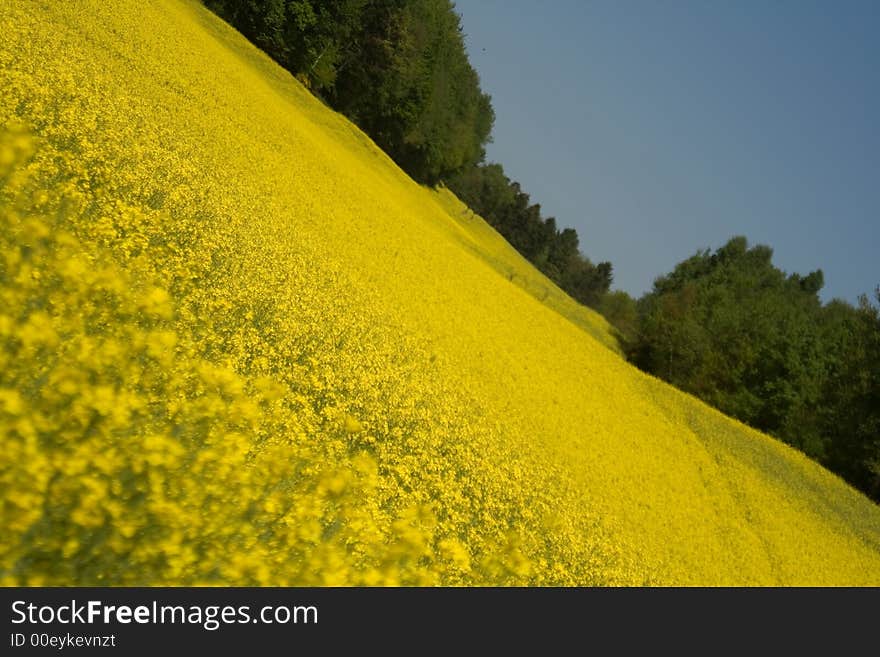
(726, 326)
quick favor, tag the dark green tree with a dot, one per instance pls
(621, 311)
(735, 330)
(850, 410)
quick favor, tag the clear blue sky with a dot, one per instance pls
(660, 128)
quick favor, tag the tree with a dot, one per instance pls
(850, 411)
(621, 311)
(735, 330)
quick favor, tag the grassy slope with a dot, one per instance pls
(450, 416)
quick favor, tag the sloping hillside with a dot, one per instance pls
(239, 346)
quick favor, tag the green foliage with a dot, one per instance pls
(733, 329)
(850, 411)
(756, 343)
(490, 193)
(621, 311)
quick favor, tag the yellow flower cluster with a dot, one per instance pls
(239, 346)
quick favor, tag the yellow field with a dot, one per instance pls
(239, 346)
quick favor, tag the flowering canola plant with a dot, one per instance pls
(238, 346)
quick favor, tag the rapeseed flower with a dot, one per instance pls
(239, 346)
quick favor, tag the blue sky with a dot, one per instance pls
(658, 129)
